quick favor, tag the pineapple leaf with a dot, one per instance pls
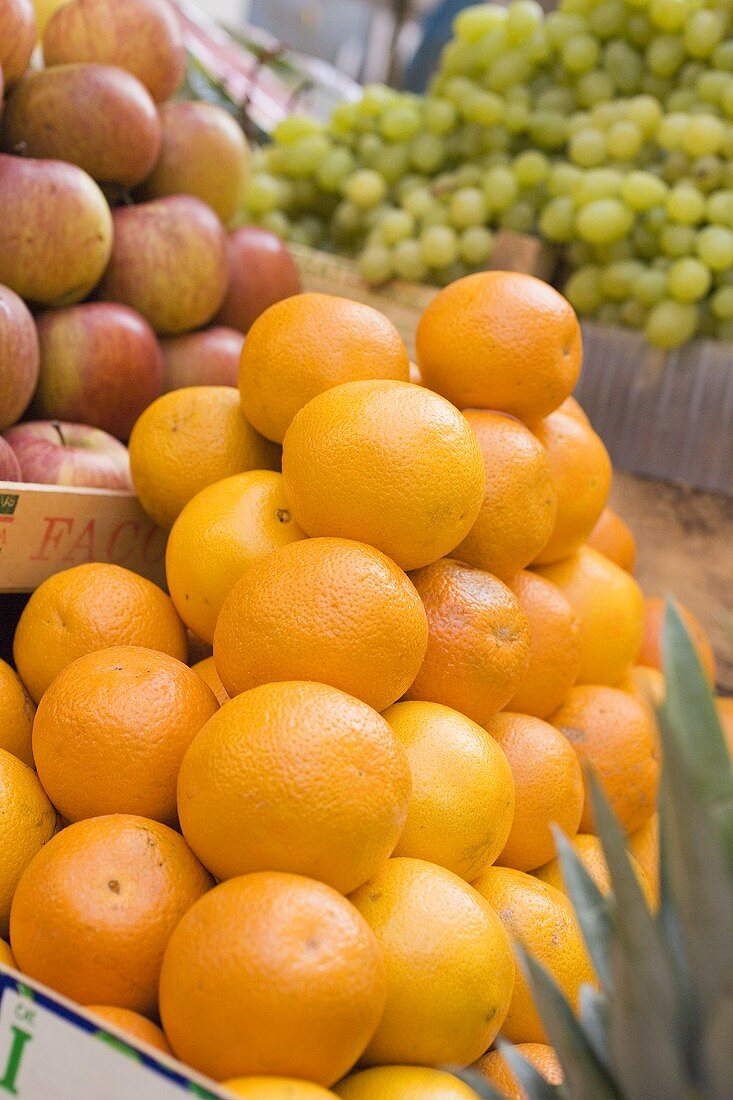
(594, 1016)
(717, 1048)
(479, 1084)
(533, 1083)
(644, 1009)
(591, 908)
(584, 1075)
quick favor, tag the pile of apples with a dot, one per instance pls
(119, 277)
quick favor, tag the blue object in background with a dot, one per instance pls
(437, 30)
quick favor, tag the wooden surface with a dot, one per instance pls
(685, 541)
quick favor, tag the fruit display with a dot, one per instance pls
(602, 127)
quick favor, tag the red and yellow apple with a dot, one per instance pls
(18, 33)
(206, 358)
(18, 357)
(261, 272)
(9, 465)
(55, 453)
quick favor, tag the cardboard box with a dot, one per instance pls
(47, 528)
(50, 1049)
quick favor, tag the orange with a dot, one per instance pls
(139, 1027)
(6, 955)
(275, 1088)
(542, 919)
(644, 847)
(614, 538)
(500, 340)
(188, 439)
(111, 731)
(27, 822)
(548, 784)
(87, 608)
(616, 736)
(387, 463)
(17, 709)
(295, 777)
(725, 714)
(554, 645)
(651, 652)
(462, 801)
(478, 640)
(219, 533)
(330, 610)
(581, 472)
(450, 971)
(206, 669)
(589, 850)
(610, 607)
(307, 344)
(272, 974)
(495, 1069)
(94, 910)
(520, 503)
(403, 1083)
(647, 684)
(572, 407)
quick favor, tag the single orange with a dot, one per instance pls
(450, 971)
(651, 652)
(27, 822)
(581, 472)
(725, 714)
(87, 608)
(94, 909)
(614, 538)
(572, 407)
(500, 340)
(403, 1083)
(330, 610)
(520, 502)
(644, 847)
(554, 645)
(6, 955)
(307, 344)
(206, 669)
(217, 536)
(188, 439)
(295, 777)
(548, 784)
(111, 732)
(288, 958)
(589, 851)
(462, 802)
(17, 709)
(610, 607)
(616, 736)
(132, 1023)
(494, 1068)
(275, 1088)
(542, 919)
(388, 463)
(478, 640)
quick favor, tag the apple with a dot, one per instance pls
(168, 262)
(204, 153)
(142, 36)
(18, 33)
(18, 357)
(261, 272)
(50, 452)
(55, 230)
(206, 358)
(9, 465)
(78, 113)
(100, 364)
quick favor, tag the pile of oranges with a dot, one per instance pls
(312, 850)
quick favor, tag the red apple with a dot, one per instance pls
(18, 357)
(53, 453)
(18, 35)
(207, 358)
(261, 272)
(100, 365)
(9, 465)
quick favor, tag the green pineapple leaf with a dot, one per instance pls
(591, 908)
(595, 1017)
(479, 1084)
(585, 1076)
(533, 1083)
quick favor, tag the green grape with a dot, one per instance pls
(556, 99)
(624, 140)
(488, 48)
(473, 23)
(638, 30)
(517, 118)
(295, 127)
(563, 179)
(707, 173)
(583, 289)
(721, 303)
(343, 118)
(459, 57)
(407, 261)
(724, 332)
(633, 314)
(689, 74)
(614, 252)
(685, 204)
(467, 175)
(645, 111)
(649, 286)
(609, 314)
(714, 246)
(645, 243)
(486, 108)
(395, 225)
(719, 207)
(688, 280)
(264, 193)
(655, 86)
(531, 168)
(436, 215)
(392, 162)
(684, 99)
(642, 190)
(617, 279)
(368, 148)
(475, 245)
(445, 275)
(365, 187)
(500, 188)
(511, 67)
(348, 218)
(557, 220)
(548, 129)
(417, 201)
(580, 54)
(655, 219)
(677, 240)
(664, 55)
(276, 221)
(467, 207)
(598, 183)
(375, 264)
(438, 246)
(607, 19)
(579, 120)
(524, 18)
(594, 87)
(303, 194)
(604, 221)
(334, 168)
(426, 153)
(676, 167)
(604, 114)
(623, 65)
(703, 33)
(580, 254)
(375, 98)
(723, 56)
(373, 217)
(704, 134)
(668, 15)
(519, 218)
(670, 324)
(560, 26)
(400, 123)
(440, 116)
(587, 148)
